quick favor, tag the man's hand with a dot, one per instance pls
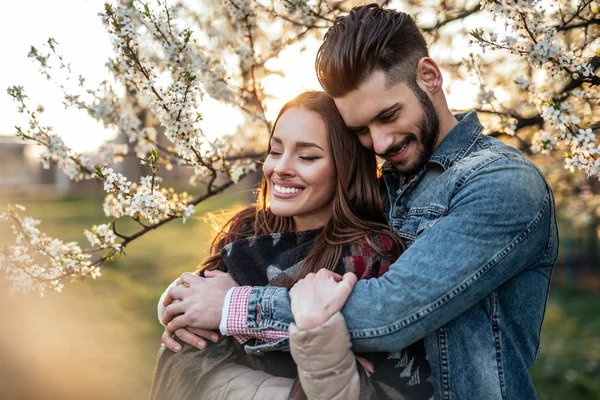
(200, 306)
(192, 336)
(317, 297)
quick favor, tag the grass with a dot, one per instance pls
(98, 339)
(569, 363)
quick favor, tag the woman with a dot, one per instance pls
(318, 207)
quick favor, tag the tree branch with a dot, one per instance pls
(451, 18)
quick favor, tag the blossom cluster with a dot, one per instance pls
(76, 166)
(63, 261)
(102, 236)
(532, 36)
(532, 33)
(146, 200)
(175, 105)
(169, 72)
(163, 71)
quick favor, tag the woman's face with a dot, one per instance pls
(299, 169)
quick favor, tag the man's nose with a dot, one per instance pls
(382, 140)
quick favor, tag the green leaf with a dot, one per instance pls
(98, 171)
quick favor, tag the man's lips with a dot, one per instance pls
(397, 153)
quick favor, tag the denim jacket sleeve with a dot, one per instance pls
(497, 222)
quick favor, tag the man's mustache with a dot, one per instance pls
(397, 147)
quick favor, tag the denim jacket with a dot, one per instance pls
(481, 233)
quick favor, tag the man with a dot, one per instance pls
(477, 217)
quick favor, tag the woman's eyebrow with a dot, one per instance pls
(298, 144)
(308, 144)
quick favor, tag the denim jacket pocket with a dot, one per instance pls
(430, 217)
(418, 219)
(406, 227)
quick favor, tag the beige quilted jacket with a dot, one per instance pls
(326, 367)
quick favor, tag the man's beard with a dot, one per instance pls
(429, 129)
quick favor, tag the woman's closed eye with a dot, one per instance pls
(274, 152)
(310, 158)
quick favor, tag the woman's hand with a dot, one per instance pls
(316, 297)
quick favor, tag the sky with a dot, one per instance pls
(79, 31)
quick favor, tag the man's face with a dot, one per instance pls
(400, 125)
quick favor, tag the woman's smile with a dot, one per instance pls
(286, 192)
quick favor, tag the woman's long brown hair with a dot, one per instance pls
(358, 213)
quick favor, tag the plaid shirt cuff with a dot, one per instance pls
(235, 316)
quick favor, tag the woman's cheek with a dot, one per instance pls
(268, 166)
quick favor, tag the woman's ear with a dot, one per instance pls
(429, 76)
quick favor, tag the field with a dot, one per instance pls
(99, 339)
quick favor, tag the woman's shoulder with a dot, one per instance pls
(370, 256)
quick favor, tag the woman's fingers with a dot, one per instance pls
(325, 273)
(369, 368)
(342, 291)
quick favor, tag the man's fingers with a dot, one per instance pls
(170, 342)
(171, 311)
(176, 323)
(175, 293)
(190, 338)
(205, 333)
(187, 278)
(213, 274)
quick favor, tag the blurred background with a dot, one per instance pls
(98, 339)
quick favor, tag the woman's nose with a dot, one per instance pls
(284, 166)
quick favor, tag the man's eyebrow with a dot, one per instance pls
(379, 115)
(298, 144)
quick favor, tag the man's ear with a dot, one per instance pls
(429, 76)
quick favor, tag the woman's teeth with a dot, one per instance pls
(281, 189)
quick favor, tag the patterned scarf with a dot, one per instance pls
(274, 260)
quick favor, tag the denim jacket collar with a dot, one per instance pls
(453, 148)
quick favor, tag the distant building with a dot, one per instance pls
(21, 173)
(14, 168)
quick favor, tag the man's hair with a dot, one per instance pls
(370, 38)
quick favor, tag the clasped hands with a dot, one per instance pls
(193, 308)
